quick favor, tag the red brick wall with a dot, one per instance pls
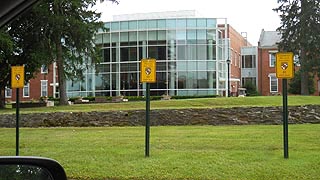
(35, 87)
(236, 42)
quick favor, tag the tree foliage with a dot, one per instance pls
(13, 51)
(300, 27)
(59, 31)
(295, 84)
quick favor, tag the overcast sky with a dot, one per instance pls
(250, 16)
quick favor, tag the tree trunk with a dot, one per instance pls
(2, 98)
(304, 74)
(61, 77)
(304, 61)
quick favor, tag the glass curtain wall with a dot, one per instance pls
(186, 51)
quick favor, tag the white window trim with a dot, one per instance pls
(271, 65)
(42, 69)
(273, 75)
(272, 52)
(5, 92)
(27, 85)
(41, 90)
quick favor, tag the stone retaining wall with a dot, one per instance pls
(216, 116)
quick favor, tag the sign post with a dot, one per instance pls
(147, 75)
(17, 81)
(285, 70)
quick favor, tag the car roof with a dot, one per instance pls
(9, 9)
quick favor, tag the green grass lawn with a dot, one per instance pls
(176, 152)
(179, 104)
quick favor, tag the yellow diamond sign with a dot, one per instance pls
(17, 76)
(284, 65)
(148, 70)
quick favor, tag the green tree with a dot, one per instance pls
(13, 52)
(300, 27)
(6, 48)
(60, 31)
(295, 84)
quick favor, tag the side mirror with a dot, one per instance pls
(30, 168)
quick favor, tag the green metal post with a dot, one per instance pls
(285, 118)
(17, 122)
(147, 120)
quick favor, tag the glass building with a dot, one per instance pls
(190, 58)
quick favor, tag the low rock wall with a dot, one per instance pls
(216, 116)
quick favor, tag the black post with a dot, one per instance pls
(147, 120)
(285, 118)
(228, 71)
(17, 122)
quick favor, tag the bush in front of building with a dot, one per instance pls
(251, 89)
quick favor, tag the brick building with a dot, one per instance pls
(268, 84)
(42, 85)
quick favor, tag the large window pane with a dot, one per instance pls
(102, 82)
(181, 52)
(202, 80)
(124, 54)
(191, 52)
(152, 24)
(143, 24)
(161, 66)
(201, 36)
(162, 53)
(114, 54)
(192, 65)
(124, 37)
(152, 35)
(191, 23)
(211, 35)
(114, 26)
(192, 82)
(133, 38)
(182, 80)
(161, 24)
(115, 37)
(133, 25)
(106, 39)
(192, 36)
(211, 65)
(124, 25)
(171, 23)
(202, 23)
(181, 23)
(142, 35)
(133, 67)
(202, 66)
(202, 52)
(181, 66)
(171, 35)
(161, 36)
(106, 55)
(181, 36)
(211, 23)
(133, 53)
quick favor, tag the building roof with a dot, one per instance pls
(269, 39)
(156, 15)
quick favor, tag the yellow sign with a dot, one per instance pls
(17, 76)
(284, 65)
(148, 70)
